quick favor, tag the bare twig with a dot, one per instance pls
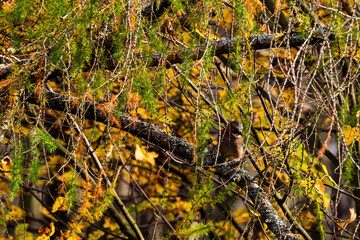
(178, 147)
(125, 228)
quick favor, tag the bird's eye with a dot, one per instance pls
(235, 131)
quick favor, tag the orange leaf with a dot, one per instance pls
(6, 164)
(46, 232)
(60, 204)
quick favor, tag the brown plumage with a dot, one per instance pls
(231, 145)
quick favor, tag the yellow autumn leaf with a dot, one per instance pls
(16, 213)
(23, 130)
(241, 215)
(277, 6)
(8, 6)
(93, 134)
(96, 235)
(254, 213)
(288, 94)
(307, 182)
(74, 237)
(352, 215)
(60, 204)
(21, 232)
(350, 134)
(320, 187)
(327, 200)
(6, 163)
(46, 232)
(109, 224)
(68, 176)
(327, 175)
(285, 53)
(46, 213)
(76, 227)
(55, 159)
(142, 112)
(100, 126)
(316, 190)
(5, 166)
(306, 219)
(141, 154)
(282, 177)
(5, 141)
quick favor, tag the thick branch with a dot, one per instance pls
(220, 47)
(227, 46)
(175, 145)
(234, 172)
(93, 111)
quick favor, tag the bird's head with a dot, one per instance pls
(235, 128)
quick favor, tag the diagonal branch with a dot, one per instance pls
(98, 164)
(178, 146)
(92, 111)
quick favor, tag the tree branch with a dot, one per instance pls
(224, 46)
(229, 171)
(125, 225)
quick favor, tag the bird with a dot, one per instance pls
(231, 146)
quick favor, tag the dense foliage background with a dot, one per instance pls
(112, 111)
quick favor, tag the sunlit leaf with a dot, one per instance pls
(141, 154)
(60, 204)
(46, 232)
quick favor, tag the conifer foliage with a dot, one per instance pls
(112, 114)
